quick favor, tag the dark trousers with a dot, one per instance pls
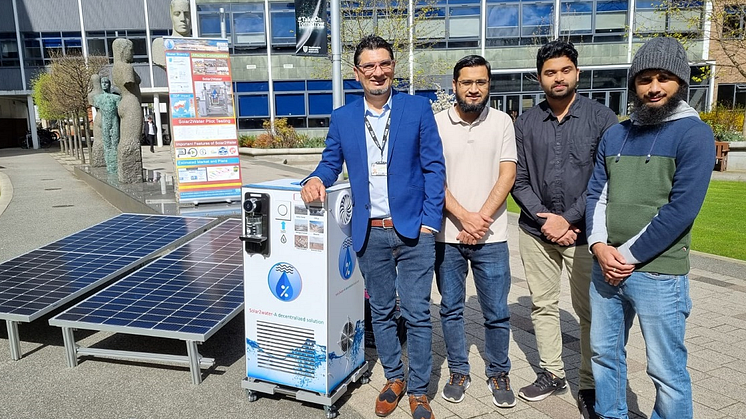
(151, 140)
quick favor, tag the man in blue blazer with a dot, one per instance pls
(395, 164)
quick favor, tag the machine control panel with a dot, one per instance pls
(283, 210)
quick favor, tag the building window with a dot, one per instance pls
(536, 22)
(305, 103)
(282, 17)
(668, 16)
(8, 50)
(516, 22)
(732, 95)
(463, 24)
(576, 17)
(734, 17)
(245, 27)
(248, 30)
(502, 23)
(594, 21)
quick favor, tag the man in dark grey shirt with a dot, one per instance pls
(556, 142)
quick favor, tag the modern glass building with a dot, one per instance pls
(262, 41)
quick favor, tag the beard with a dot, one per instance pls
(378, 92)
(645, 114)
(567, 93)
(471, 107)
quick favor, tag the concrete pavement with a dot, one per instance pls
(47, 202)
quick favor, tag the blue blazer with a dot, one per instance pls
(416, 168)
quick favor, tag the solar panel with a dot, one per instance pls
(188, 294)
(35, 283)
(129, 235)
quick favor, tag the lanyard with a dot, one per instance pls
(381, 145)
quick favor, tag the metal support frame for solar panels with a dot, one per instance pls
(12, 320)
(14, 340)
(193, 359)
(69, 321)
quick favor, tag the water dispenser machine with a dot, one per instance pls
(303, 294)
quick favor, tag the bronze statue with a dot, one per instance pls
(107, 104)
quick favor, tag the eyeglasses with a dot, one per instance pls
(468, 83)
(369, 68)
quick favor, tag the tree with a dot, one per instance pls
(43, 97)
(62, 91)
(388, 19)
(727, 32)
(42, 92)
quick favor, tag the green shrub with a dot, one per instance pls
(245, 140)
(314, 142)
(284, 135)
(263, 141)
(729, 136)
(726, 123)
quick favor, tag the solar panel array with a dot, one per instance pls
(35, 283)
(188, 294)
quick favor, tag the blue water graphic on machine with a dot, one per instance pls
(284, 281)
(346, 259)
(308, 366)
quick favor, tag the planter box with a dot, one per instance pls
(284, 155)
(737, 145)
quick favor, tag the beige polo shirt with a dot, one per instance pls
(473, 153)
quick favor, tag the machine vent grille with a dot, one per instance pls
(344, 209)
(288, 349)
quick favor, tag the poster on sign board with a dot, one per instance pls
(203, 120)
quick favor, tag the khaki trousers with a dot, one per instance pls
(543, 264)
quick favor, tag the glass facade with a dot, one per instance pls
(445, 24)
(40, 47)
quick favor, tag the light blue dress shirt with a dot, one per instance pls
(378, 185)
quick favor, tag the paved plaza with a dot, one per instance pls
(42, 200)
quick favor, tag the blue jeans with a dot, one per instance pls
(393, 264)
(490, 266)
(662, 305)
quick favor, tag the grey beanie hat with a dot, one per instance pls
(664, 53)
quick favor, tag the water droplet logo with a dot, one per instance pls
(346, 259)
(284, 281)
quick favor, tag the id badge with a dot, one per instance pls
(378, 169)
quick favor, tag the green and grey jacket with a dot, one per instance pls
(647, 188)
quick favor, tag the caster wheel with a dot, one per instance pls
(251, 395)
(331, 412)
(365, 378)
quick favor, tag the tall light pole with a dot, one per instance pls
(410, 20)
(338, 98)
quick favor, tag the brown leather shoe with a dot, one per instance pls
(389, 397)
(420, 407)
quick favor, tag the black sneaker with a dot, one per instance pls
(456, 386)
(502, 394)
(546, 383)
(586, 403)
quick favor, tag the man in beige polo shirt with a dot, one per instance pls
(480, 155)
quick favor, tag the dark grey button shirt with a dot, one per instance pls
(555, 161)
